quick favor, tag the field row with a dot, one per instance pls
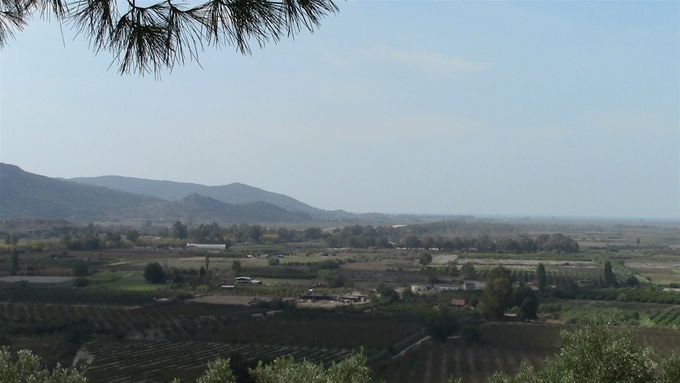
(504, 347)
(146, 361)
(209, 323)
(553, 277)
(435, 362)
(669, 317)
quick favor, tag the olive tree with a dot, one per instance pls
(596, 353)
(25, 367)
(286, 370)
(154, 273)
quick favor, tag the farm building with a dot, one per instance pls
(317, 298)
(430, 289)
(354, 298)
(473, 285)
(207, 246)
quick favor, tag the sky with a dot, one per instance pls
(439, 107)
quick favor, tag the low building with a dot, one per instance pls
(432, 289)
(317, 298)
(473, 285)
(458, 303)
(207, 246)
(354, 298)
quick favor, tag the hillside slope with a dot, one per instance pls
(235, 193)
(28, 195)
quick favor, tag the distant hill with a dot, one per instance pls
(235, 193)
(198, 208)
(27, 195)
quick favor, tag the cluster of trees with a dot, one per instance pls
(11, 239)
(94, 237)
(609, 279)
(156, 274)
(367, 236)
(501, 295)
(25, 367)
(600, 354)
(214, 233)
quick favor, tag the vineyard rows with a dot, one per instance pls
(211, 323)
(553, 277)
(669, 318)
(149, 361)
(436, 362)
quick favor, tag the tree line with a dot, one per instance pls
(95, 237)
(368, 236)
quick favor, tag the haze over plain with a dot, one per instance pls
(436, 107)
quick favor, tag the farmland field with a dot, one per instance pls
(503, 348)
(154, 361)
(124, 326)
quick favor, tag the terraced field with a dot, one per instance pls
(148, 361)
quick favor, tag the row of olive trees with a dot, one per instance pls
(25, 367)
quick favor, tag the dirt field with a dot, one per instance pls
(239, 300)
(32, 279)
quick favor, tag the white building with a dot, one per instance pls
(207, 246)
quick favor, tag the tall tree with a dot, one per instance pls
(236, 267)
(608, 277)
(425, 259)
(469, 271)
(132, 235)
(541, 280)
(497, 294)
(179, 230)
(14, 262)
(149, 37)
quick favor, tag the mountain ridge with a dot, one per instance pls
(234, 193)
(27, 195)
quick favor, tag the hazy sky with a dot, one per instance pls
(527, 108)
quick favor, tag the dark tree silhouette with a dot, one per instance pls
(154, 273)
(541, 280)
(147, 36)
(608, 277)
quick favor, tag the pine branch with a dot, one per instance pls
(157, 37)
(13, 17)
